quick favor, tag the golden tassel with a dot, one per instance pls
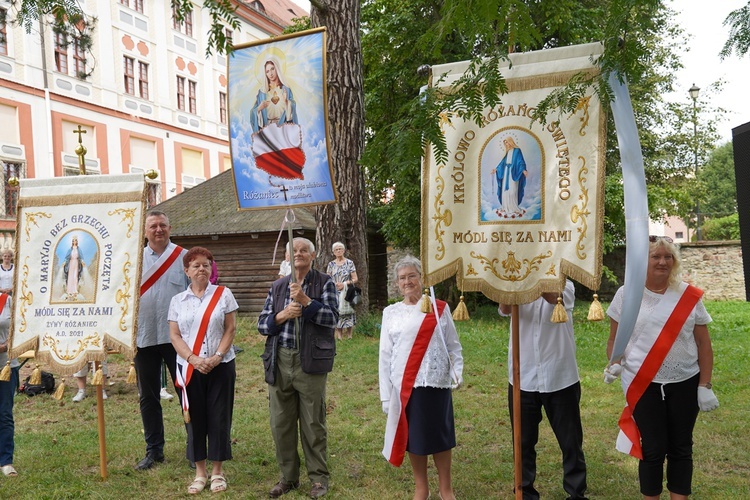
(60, 390)
(186, 416)
(98, 377)
(36, 376)
(461, 313)
(558, 314)
(426, 306)
(596, 312)
(5, 374)
(131, 379)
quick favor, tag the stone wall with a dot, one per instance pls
(713, 266)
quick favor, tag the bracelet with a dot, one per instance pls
(188, 358)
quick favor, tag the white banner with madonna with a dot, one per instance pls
(518, 206)
(79, 244)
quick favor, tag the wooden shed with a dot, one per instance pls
(242, 241)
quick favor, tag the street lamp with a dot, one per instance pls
(693, 91)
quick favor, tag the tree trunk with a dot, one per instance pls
(346, 221)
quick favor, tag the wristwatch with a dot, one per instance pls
(707, 385)
(219, 353)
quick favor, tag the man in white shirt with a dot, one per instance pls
(549, 380)
(162, 278)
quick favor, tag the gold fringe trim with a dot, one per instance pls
(425, 305)
(461, 313)
(60, 390)
(98, 377)
(596, 312)
(5, 373)
(36, 376)
(131, 375)
(57, 201)
(186, 416)
(559, 315)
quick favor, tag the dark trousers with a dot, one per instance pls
(211, 399)
(7, 426)
(666, 415)
(564, 414)
(148, 370)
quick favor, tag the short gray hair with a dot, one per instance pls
(408, 261)
(338, 244)
(310, 245)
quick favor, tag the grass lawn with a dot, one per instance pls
(57, 453)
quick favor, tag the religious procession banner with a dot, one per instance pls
(518, 206)
(278, 122)
(78, 257)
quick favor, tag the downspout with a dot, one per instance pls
(47, 103)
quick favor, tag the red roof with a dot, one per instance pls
(285, 10)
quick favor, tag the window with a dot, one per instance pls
(186, 26)
(79, 60)
(223, 107)
(181, 93)
(136, 5)
(129, 75)
(143, 79)
(3, 33)
(678, 235)
(61, 53)
(192, 96)
(10, 170)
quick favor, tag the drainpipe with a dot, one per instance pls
(47, 102)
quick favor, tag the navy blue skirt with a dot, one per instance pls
(429, 414)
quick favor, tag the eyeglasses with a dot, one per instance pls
(653, 239)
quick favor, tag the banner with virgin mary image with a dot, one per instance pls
(518, 205)
(79, 242)
(278, 122)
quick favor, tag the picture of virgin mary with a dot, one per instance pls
(277, 136)
(77, 257)
(511, 175)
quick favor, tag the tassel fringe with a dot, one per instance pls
(98, 377)
(461, 313)
(425, 305)
(558, 314)
(5, 374)
(186, 416)
(36, 376)
(131, 375)
(60, 390)
(596, 312)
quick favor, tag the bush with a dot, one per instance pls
(723, 228)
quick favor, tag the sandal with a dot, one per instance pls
(197, 485)
(9, 471)
(218, 483)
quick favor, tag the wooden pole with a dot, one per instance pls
(518, 470)
(100, 417)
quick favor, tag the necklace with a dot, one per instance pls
(658, 291)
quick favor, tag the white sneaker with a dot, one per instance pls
(104, 394)
(164, 394)
(79, 396)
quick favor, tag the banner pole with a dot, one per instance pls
(290, 246)
(515, 336)
(100, 418)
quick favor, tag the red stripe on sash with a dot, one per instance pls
(202, 329)
(4, 300)
(162, 269)
(418, 350)
(652, 363)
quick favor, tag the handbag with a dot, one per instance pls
(353, 294)
(344, 305)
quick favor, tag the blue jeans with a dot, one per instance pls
(7, 427)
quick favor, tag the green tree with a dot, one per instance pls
(723, 228)
(399, 37)
(738, 22)
(717, 183)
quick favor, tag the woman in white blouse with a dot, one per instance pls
(202, 327)
(420, 362)
(6, 271)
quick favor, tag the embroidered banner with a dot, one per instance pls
(518, 206)
(78, 253)
(278, 122)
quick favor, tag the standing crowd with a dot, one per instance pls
(187, 322)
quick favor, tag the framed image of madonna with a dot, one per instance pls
(278, 122)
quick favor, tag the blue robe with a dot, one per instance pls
(517, 168)
(256, 125)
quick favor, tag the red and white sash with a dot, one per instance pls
(152, 274)
(414, 341)
(668, 318)
(195, 340)
(4, 300)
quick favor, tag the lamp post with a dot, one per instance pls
(693, 91)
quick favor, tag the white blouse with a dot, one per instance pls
(184, 309)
